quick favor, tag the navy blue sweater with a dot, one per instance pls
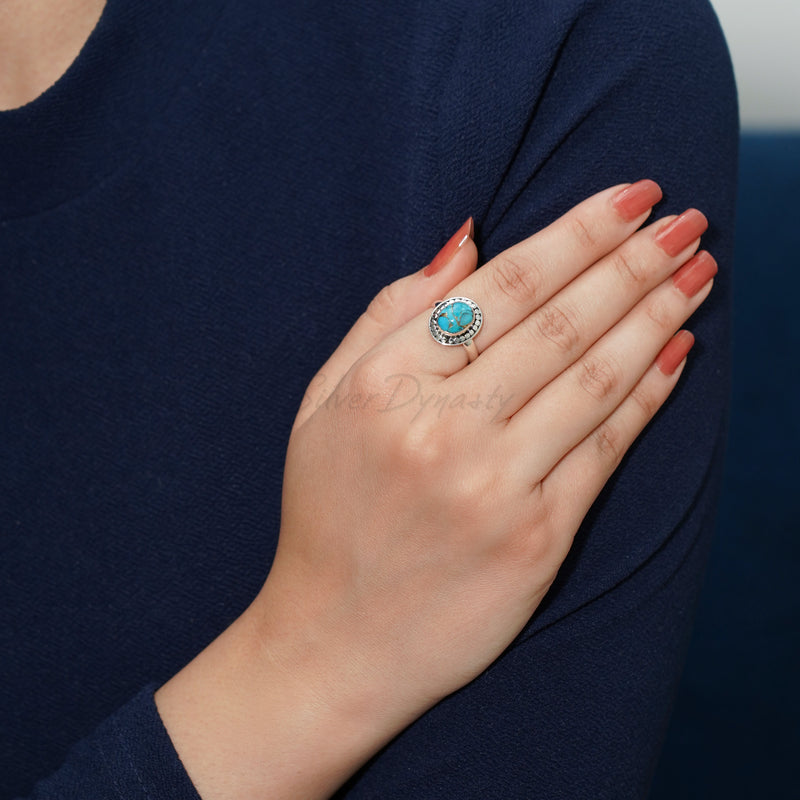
(176, 213)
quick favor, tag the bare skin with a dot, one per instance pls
(377, 606)
(39, 40)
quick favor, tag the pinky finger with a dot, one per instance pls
(575, 482)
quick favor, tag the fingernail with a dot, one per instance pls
(637, 198)
(676, 349)
(695, 273)
(681, 232)
(445, 255)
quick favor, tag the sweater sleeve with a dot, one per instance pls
(514, 112)
(128, 756)
(564, 99)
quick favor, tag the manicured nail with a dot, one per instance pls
(676, 349)
(445, 255)
(695, 273)
(681, 232)
(637, 198)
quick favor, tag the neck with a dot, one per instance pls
(39, 39)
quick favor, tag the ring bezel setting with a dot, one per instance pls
(455, 321)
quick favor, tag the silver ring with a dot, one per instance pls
(456, 321)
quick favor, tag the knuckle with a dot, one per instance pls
(658, 312)
(555, 325)
(541, 540)
(470, 493)
(385, 305)
(609, 443)
(598, 377)
(539, 547)
(631, 271)
(582, 232)
(367, 376)
(516, 280)
(647, 403)
(416, 450)
(530, 547)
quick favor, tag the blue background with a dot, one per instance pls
(735, 732)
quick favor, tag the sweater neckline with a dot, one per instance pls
(89, 123)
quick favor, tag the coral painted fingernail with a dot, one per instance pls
(445, 255)
(676, 349)
(637, 198)
(681, 232)
(695, 273)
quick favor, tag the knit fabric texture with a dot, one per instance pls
(190, 220)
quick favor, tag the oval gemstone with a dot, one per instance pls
(454, 317)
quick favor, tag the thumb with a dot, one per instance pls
(391, 308)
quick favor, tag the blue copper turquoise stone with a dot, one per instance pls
(455, 317)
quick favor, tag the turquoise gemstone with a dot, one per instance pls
(454, 317)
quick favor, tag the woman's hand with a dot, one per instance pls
(429, 502)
